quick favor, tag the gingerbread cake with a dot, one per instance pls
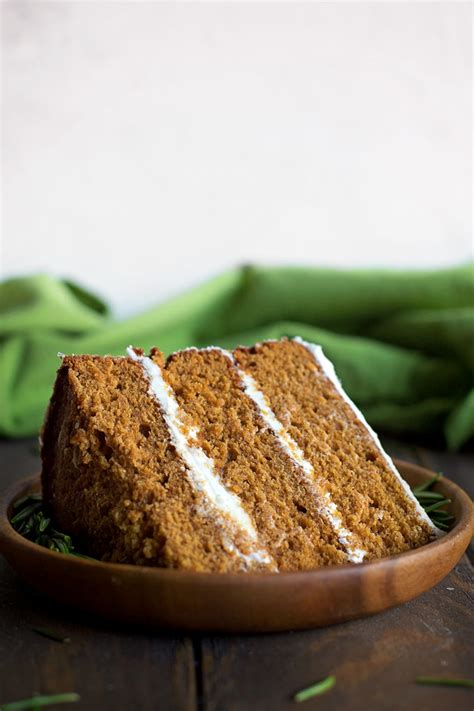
(212, 460)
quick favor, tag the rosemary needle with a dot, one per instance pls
(37, 702)
(27, 498)
(444, 681)
(433, 495)
(437, 505)
(51, 634)
(428, 484)
(321, 687)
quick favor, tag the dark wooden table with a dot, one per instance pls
(375, 660)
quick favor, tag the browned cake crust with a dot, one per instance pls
(122, 468)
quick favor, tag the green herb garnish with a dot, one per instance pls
(37, 702)
(50, 634)
(433, 502)
(321, 687)
(30, 520)
(428, 484)
(444, 681)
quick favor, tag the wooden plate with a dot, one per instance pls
(249, 602)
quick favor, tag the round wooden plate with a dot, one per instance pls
(248, 602)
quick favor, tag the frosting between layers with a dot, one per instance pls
(327, 507)
(330, 373)
(200, 467)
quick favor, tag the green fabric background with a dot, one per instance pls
(402, 342)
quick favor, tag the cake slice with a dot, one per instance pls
(213, 460)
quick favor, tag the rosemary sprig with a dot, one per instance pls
(321, 687)
(432, 502)
(37, 702)
(444, 681)
(51, 634)
(30, 520)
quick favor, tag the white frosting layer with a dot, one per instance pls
(325, 505)
(286, 441)
(200, 468)
(330, 373)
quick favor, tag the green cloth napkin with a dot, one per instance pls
(402, 342)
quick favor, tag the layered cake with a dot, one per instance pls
(213, 460)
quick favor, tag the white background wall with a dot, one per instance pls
(148, 145)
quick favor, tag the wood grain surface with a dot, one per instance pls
(375, 660)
